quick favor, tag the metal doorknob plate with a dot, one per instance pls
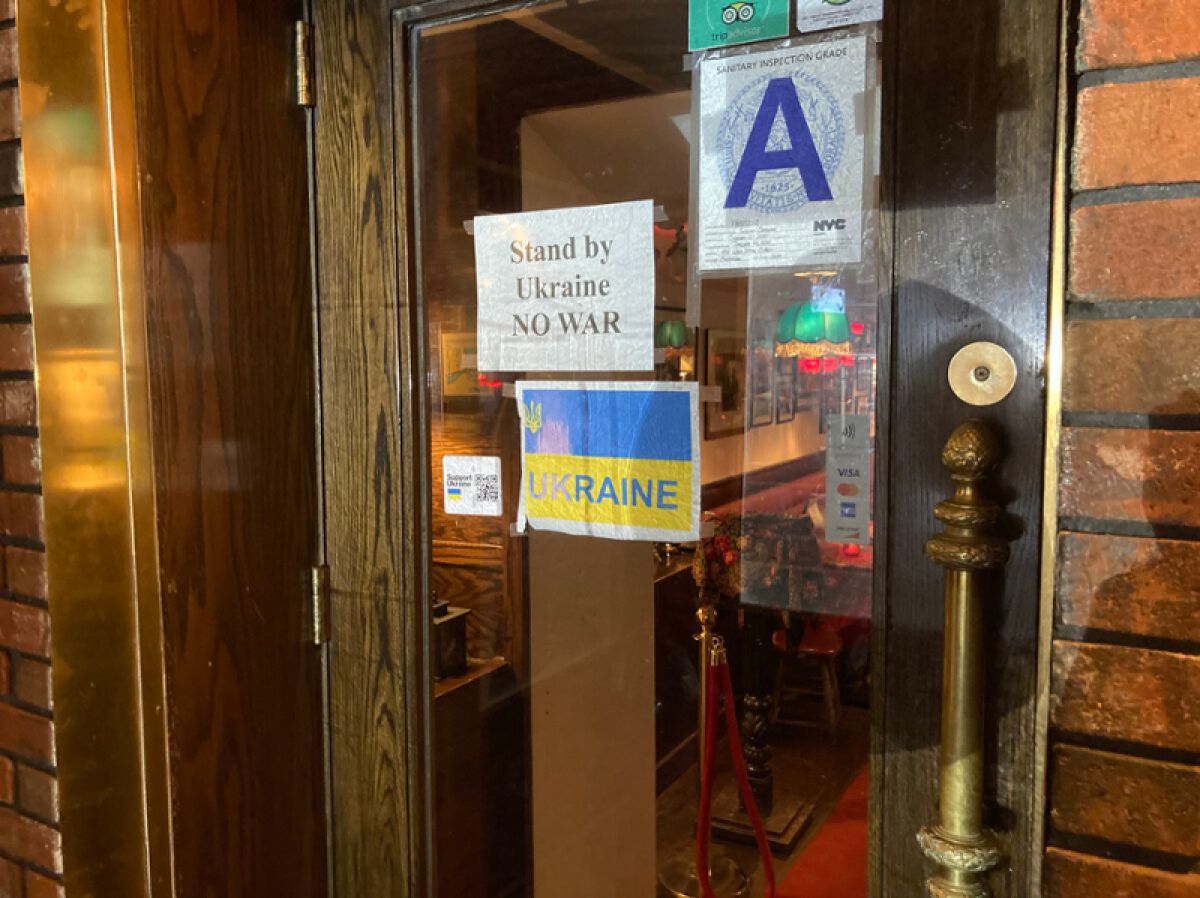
(982, 373)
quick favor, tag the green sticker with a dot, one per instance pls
(722, 23)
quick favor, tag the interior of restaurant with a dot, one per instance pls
(582, 648)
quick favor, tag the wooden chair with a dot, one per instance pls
(817, 651)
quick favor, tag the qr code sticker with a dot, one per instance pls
(487, 487)
(471, 485)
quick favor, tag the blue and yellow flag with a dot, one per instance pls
(619, 460)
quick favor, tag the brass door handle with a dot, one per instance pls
(959, 843)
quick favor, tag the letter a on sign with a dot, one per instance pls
(782, 151)
(779, 98)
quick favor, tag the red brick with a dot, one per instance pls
(10, 880)
(18, 403)
(31, 682)
(8, 54)
(39, 886)
(21, 515)
(12, 171)
(30, 839)
(1148, 476)
(1136, 250)
(25, 571)
(1131, 801)
(14, 288)
(5, 672)
(24, 628)
(1072, 875)
(25, 734)
(21, 459)
(1126, 694)
(16, 347)
(1163, 115)
(1137, 32)
(7, 781)
(1145, 587)
(1143, 366)
(10, 113)
(37, 793)
(13, 235)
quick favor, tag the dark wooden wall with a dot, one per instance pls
(972, 94)
(225, 222)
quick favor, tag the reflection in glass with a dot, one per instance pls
(565, 756)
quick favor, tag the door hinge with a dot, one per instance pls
(319, 610)
(306, 87)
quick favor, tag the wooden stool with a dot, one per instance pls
(820, 647)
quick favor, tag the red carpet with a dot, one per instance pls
(834, 865)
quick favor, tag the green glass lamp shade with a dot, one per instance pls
(670, 334)
(805, 331)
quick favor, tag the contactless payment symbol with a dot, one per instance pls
(721, 23)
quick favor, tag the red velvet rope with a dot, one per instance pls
(719, 680)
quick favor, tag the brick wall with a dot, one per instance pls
(30, 857)
(1125, 741)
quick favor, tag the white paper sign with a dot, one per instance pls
(814, 15)
(848, 496)
(566, 289)
(471, 485)
(782, 146)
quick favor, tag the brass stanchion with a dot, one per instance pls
(678, 877)
(959, 843)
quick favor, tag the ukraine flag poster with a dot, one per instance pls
(617, 460)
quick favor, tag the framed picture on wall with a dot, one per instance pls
(808, 391)
(725, 367)
(868, 340)
(761, 362)
(863, 370)
(460, 377)
(674, 347)
(785, 390)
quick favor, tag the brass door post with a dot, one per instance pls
(959, 843)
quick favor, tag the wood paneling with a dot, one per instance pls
(369, 421)
(1071, 875)
(479, 831)
(227, 285)
(1134, 801)
(1128, 694)
(1142, 587)
(972, 146)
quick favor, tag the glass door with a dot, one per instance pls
(648, 278)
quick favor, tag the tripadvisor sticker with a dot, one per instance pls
(722, 23)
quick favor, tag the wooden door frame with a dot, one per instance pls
(375, 492)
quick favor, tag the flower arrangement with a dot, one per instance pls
(754, 553)
(716, 565)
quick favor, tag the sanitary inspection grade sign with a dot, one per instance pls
(781, 155)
